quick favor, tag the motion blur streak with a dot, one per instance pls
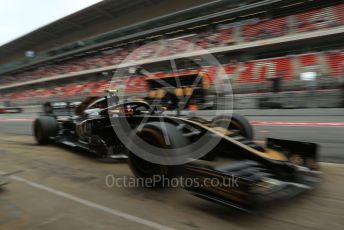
(254, 123)
(297, 124)
(16, 120)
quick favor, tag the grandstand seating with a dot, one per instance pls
(220, 36)
(225, 37)
(177, 46)
(146, 51)
(251, 72)
(204, 40)
(308, 60)
(320, 18)
(335, 60)
(267, 28)
(339, 10)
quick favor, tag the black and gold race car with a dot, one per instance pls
(218, 156)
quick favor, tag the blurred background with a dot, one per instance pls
(275, 54)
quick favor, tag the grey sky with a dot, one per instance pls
(19, 17)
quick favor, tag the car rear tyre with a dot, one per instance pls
(45, 129)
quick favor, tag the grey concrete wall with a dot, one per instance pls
(292, 100)
(304, 99)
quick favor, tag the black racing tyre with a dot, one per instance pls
(44, 129)
(152, 133)
(236, 122)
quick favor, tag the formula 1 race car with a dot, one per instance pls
(261, 174)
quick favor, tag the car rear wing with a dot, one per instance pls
(60, 108)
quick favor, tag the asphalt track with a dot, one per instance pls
(56, 188)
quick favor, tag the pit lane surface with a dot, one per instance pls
(55, 188)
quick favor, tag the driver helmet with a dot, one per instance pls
(128, 111)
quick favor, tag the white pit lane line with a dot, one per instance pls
(90, 204)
